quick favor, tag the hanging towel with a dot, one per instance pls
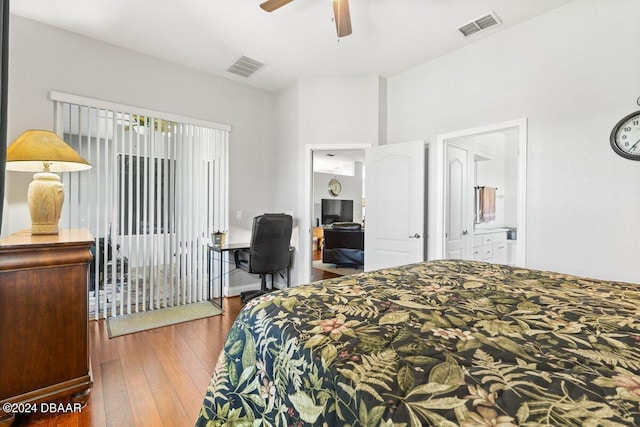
(487, 204)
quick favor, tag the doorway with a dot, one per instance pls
(309, 218)
(338, 197)
(444, 194)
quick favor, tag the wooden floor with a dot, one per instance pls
(316, 273)
(151, 378)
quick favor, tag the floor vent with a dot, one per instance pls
(245, 66)
(479, 24)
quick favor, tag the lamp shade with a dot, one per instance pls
(44, 152)
(41, 150)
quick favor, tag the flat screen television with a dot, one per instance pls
(336, 210)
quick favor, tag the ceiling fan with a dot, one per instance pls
(341, 14)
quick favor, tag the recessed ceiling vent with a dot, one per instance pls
(480, 24)
(245, 66)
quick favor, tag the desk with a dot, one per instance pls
(230, 247)
(227, 247)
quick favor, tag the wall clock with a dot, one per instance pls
(625, 137)
(335, 188)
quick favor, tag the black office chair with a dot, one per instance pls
(268, 251)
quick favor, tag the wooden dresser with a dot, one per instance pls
(44, 331)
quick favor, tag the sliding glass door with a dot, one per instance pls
(155, 193)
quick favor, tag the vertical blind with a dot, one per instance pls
(155, 194)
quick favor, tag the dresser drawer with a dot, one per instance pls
(500, 253)
(487, 252)
(477, 240)
(487, 239)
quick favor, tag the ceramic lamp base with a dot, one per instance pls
(45, 197)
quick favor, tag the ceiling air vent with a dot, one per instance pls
(479, 24)
(245, 66)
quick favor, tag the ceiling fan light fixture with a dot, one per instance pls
(342, 17)
(341, 14)
(271, 5)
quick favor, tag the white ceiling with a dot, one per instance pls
(336, 161)
(297, 40)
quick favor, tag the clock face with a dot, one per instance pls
(335, 188)
(625, 137)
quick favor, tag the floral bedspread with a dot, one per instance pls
(442, 343)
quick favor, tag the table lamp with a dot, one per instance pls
(44, 152)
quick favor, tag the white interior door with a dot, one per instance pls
(458, 209)
(438, 230)
(395, 205)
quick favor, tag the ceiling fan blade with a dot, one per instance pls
(342, 17)
(271, 5)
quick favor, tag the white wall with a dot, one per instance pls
(44, 58)
(284, 158)
(339, 110)
(573, 72)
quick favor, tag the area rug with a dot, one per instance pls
(343, 271)
(131, 323)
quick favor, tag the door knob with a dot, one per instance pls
(465, 232)
(415, 236)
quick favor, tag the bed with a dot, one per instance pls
(446, 343)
